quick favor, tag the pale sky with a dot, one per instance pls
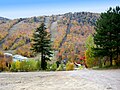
(27, 8)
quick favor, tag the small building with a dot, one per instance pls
(19, 57)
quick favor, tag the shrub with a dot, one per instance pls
(2, 62)
(61, 67)
(69, 66)
(1, 53)
(38, 65)
(17, 65)
(2, 65)
(23, 66)
(48, 66)
(80, 67)
(13, 67)
(53, 67)
(30, 65)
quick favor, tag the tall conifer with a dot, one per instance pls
(107, 36)
(42, 45)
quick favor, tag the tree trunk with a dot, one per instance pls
(111, 52)
(104, 62)
(42, 61)
(100, 63)
(110, 60)
(117, 59)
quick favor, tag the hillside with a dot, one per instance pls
(68, 33)
(2, 19)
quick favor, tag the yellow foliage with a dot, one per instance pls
(5, 47)
(2, 65)
(69, 66)
(17, 65)
(2, 61)
(1, 53)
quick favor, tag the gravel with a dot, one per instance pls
(61, 80)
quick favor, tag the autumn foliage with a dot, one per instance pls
(68, 33)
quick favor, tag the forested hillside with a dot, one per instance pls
(68, 33)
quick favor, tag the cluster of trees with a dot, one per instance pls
(61, 30)
(4, 28)
(25, 29)
(106, 39)
(105, 42)
(73, 47)
(25, 66)
(25, 50)
(20, 40)
(42, 44)
(20, 36)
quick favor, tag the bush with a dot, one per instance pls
(13, 67)
(2, 65)
(81, 67)
(17, 65)
(30, 65)
(2, 61)
(23, 66)
(48, 66)
(53, 67)
(69, 66)
(61, 67)
(38, 65)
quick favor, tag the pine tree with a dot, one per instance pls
(116, 28)
(107, 36)
(42, 45)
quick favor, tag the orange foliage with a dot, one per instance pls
(25, 50)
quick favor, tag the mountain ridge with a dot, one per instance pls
(67, 30)
(7, 18)
(3, 18)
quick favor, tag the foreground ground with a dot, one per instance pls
(63, 80)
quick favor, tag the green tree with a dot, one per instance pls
(89, 53)
(107, 36)
(42, 45)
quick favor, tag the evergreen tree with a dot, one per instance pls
(107, 36)
(42, 45)
(116, 28)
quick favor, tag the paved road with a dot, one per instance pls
(63, 80)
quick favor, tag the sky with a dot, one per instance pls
(27, 8)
